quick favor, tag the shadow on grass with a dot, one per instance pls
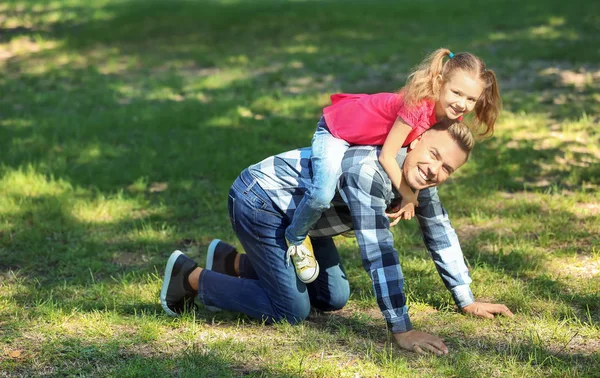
(73, 356)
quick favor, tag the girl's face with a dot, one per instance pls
(458, 95)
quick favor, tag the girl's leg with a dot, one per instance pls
(326, 159)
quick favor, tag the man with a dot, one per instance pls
(262, 200)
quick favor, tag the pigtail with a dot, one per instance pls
(489, 105)
(422, 82)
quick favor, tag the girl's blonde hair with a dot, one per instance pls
(423, 84)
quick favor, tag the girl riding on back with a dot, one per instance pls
(445, 86)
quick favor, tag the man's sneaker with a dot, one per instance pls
(177, 295)
(215, 260)
(216, 254)
(303, 257)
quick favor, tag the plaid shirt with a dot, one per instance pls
(364, 192)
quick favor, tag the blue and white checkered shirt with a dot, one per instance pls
(364, 192)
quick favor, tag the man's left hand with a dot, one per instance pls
(487, 310)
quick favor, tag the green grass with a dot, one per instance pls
(123, 123)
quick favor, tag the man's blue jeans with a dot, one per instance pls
(326, 161)
(268, 289)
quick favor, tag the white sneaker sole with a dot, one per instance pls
(312, 278)
(210, 253)
(166, 281)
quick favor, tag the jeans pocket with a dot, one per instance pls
(260, 204)
(267, 224)
(231, 206)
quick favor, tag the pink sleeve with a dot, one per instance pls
(413, 115)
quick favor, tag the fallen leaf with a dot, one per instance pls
(156, 187)
(15, 353)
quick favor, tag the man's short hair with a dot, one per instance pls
(459, 132)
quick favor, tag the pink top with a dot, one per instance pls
(368, 118)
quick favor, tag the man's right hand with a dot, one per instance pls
(421, 342)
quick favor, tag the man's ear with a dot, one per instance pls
(414, 143)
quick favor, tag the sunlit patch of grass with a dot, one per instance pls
(149, 233)
(582, 267)
(222, 79)
(104, 210)
(304, 49)
(27, 182)
(552, 32)
(15, 123)
(555, 28)
(24, 46)
(27, 187)
(27, 13)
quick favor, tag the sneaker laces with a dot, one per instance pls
(301, 252)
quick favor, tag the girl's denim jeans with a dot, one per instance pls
(326, 160)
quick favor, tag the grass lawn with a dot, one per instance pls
(123, 123)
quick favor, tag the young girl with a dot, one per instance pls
(439, 89)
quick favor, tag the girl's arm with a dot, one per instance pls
(387, 159)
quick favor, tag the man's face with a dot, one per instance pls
(458, 96)
(432, 159)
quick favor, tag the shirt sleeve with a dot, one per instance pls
(442, 243)
(362, 187)
(414, 115)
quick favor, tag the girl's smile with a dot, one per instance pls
(458, 96)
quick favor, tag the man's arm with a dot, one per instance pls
(442, 243)
(362, 188)
(444, 248)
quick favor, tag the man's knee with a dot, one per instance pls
(339, 298)
(294, 313)
(336, 300)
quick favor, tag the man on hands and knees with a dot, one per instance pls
(262, 200)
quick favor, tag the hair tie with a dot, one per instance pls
(451, 55)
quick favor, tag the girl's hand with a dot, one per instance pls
(395, 216)
(405, 210)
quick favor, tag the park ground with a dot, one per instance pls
(123, 123)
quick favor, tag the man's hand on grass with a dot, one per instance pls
(487, 310)
(421, 342)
